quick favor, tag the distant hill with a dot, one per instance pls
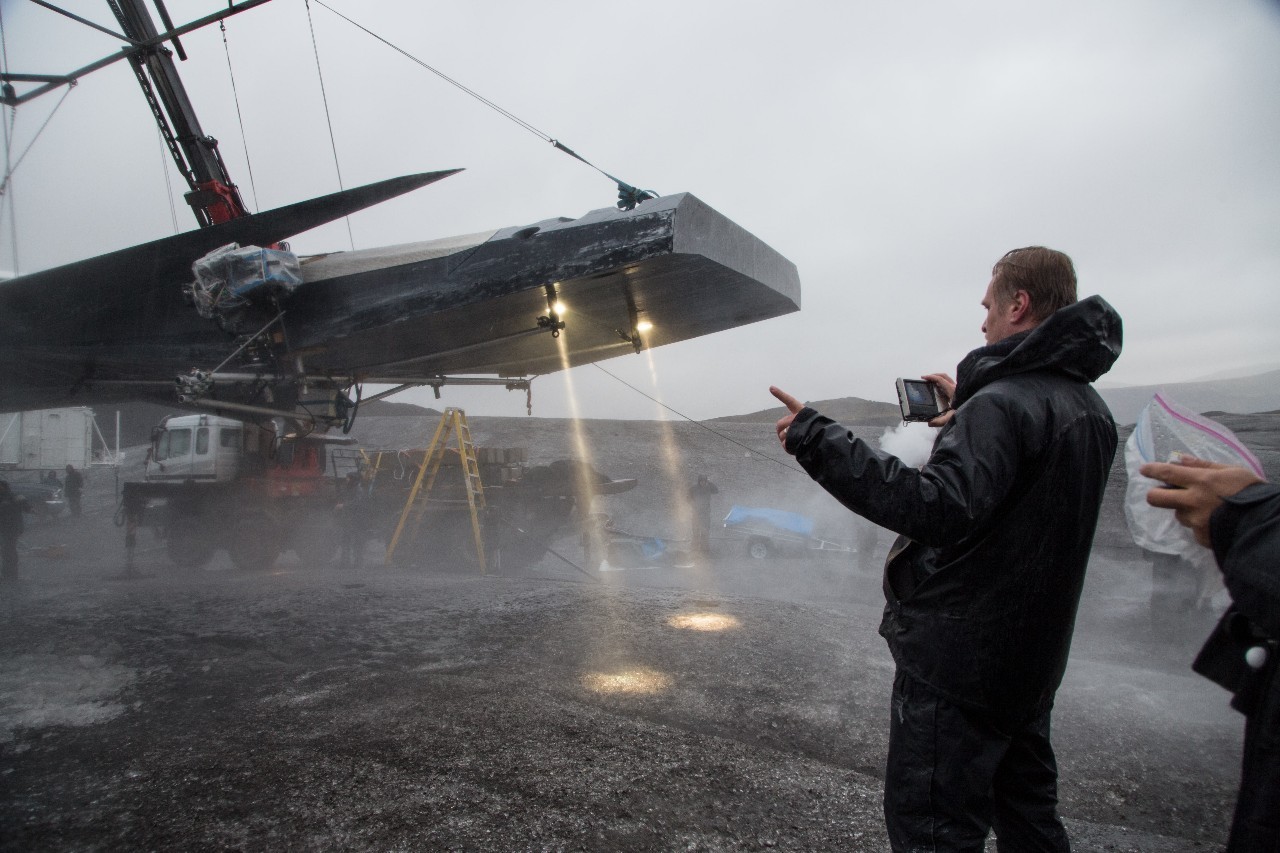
(850, 411)
(1242, 395)
(1246, 395)
(388, 409)
(138, 419)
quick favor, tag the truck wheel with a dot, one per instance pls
(316, 546)
(189, 544)
(758, 548)
(255, 546)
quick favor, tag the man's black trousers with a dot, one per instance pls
(953, 775)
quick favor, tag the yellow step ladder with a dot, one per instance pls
(452, 423)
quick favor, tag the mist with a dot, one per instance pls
(549, 672)
(893, 154)
(910, 442)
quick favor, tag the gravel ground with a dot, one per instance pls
(735, 705)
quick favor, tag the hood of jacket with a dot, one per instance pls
(1081, 340)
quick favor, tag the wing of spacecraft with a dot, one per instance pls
(118, 327)
(669, 270)
(514, 302)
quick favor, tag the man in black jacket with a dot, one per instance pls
(983, 582)
(74, 487)
(1232, 511)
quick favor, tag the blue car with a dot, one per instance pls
(775, 532)
(46, 501)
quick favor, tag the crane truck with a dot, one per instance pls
(213, 482)
(249, 487)
(258, 486)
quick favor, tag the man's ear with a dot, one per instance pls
(1020, 308)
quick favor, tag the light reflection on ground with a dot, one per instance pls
(628, 681)
(703, 621)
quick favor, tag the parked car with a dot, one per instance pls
(46, 501)
(775, 532)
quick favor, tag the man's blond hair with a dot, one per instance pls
(1047, 276)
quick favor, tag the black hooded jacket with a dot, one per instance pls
(1246, 540)
(981, 601)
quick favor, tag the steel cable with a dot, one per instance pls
(244, 140)
(315, 48)
(628, 196)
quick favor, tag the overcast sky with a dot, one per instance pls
(893, 151)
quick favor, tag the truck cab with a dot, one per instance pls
(196, 447)
(252, 489)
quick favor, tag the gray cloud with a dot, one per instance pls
(892, 151)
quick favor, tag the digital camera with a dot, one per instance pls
(919, 400)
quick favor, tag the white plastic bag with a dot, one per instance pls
(231, 277)
(1164, 431)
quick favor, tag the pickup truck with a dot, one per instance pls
(775, 532)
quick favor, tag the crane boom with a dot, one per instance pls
(212, 196)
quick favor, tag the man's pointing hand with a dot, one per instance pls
(793, 405)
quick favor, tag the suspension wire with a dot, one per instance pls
(168, 184)
(9, 170)
(10, 165)
(510, 115)
(628, 196)
(4, 66)
(244, 140)
(13, 227)
(9, 126)
(729, 439)
(315, 47)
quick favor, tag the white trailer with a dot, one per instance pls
(49, 439)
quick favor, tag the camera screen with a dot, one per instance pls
(919, 393)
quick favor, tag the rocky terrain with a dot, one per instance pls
(731, 704)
